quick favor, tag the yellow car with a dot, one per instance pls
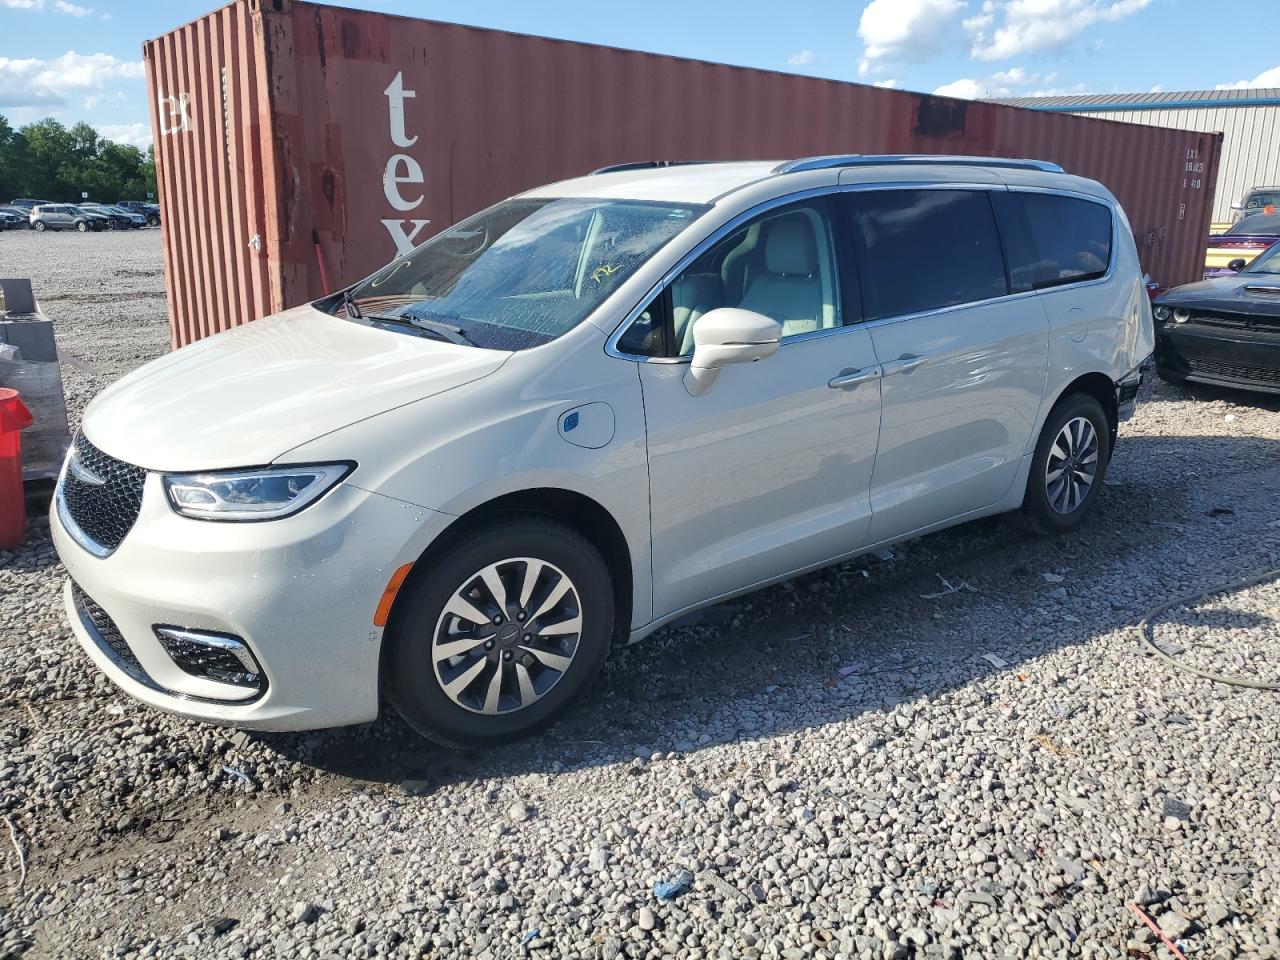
(1241, 242)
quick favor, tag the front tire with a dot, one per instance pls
(500, 632)
(82, 227)
(1068, 467)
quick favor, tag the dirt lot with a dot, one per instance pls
(960, 750)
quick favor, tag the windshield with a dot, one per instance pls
(1261, 201)
(524, 271)
(1257, 224)
(1266, 262)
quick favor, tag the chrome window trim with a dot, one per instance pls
(611, 344)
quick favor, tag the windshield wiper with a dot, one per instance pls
(445, 331)
(353, 308)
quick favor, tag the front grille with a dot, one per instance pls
(1234, 321)
(108, 636)
(104, 511)
(1232, 371)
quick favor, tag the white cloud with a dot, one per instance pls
(1014, 82)
(1011, 28)
(46, 83)
(137, 134)
(1267, 78)
(101, 99)
(802, 58)
(896, 31)
(890, 84)
(72, 9)
(22, 4)
(964, 88)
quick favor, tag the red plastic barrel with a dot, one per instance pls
(14, 416)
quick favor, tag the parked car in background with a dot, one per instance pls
(120, 218)
(64, 216)
(1243, 241)
(149, 210)
(1225, 330)
(1257, 200)
(10, 221)
(585, 412)
(21, 214)
(27, 204)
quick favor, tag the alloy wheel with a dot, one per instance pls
(1072, 465)
(507, 636)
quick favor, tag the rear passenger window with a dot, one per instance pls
(925, 249)
(1052, 240)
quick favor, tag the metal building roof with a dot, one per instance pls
(1165, 100)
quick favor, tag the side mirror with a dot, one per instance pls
(1236, 265)
(1237, 205)
(728, 335)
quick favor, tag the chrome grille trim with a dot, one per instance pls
(98, 498)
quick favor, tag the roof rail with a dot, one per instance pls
(645, 165)
(873, 160)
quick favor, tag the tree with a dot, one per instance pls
(15, 162)
(46, 161)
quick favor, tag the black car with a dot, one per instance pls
(118, 218)
(149, 210)
(9, 221)
(20, 214)
(1226, 330)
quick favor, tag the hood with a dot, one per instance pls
(1257, 293)
(244, 397)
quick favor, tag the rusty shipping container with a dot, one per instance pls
(300, 146)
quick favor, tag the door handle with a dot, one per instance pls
(847, 379)
(904, 364)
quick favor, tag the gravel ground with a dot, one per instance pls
(962, 750)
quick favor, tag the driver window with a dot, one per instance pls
(781, 265)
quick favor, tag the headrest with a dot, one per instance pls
(789, 247)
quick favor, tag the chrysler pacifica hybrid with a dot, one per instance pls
(585, 412)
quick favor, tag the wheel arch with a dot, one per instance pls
(575, 510)
(1099, 386)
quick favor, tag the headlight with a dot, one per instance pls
(1181, 315)
(267, 493)
(1163, 314)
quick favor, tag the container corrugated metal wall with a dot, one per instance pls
(296, 142)
(1250, 154)
(215, 172)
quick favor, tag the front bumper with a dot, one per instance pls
(1247, 359)
(301, 593)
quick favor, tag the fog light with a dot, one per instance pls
(219, 657)
(1181, 316)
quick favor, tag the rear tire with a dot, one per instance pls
(466, 683)
(1068, 466)
(153, 221)
(38, 226)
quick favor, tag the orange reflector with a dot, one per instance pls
(389, 595)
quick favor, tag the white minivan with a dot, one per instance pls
(585, 412)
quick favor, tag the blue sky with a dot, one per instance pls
(81, 59)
